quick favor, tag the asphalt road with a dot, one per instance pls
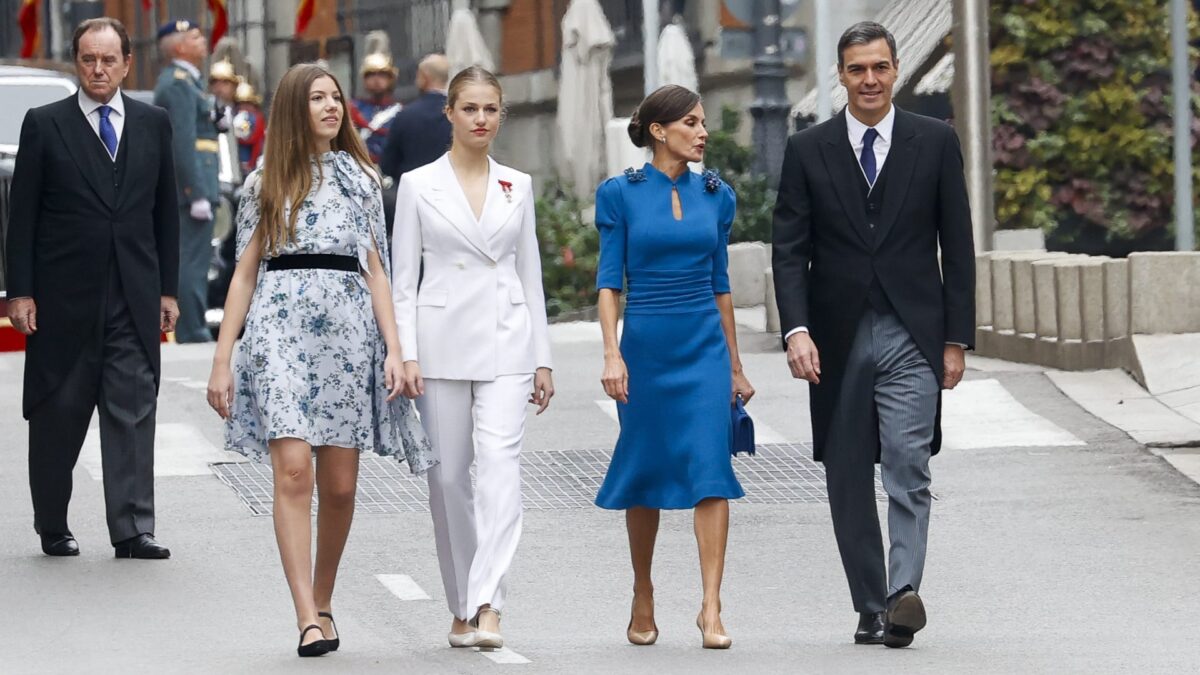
(1057, 545)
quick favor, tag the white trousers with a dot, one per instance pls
(476, 529)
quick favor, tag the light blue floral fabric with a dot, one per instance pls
(310, 363)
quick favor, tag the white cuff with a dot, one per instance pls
(797, 329)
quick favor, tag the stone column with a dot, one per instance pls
(490, 15)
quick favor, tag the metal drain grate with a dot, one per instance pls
(556, 479)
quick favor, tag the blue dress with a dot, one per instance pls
(673, 451)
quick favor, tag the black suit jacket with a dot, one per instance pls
(74, 214)
(419, 135)
(825, 255)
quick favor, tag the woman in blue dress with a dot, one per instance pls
(676, 370)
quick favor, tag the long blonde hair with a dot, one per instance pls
(290, 147)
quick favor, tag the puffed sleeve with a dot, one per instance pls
(610, 220)
(725, 213)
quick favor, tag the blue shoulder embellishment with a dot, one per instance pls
(635, 175)
(712, 180)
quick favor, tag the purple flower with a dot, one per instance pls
(712, 180)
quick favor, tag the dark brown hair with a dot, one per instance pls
(287, 168)
(669, 103)
(863, 33)
(100, 24)
(472, 75)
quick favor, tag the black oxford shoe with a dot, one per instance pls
(59, 545)
(905, 616)
(142, 546)
(870, 628)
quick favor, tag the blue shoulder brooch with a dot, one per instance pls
(635, 175)
(712, 180)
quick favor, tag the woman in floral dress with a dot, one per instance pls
(319, 369)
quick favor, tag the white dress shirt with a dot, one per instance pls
(91, 110)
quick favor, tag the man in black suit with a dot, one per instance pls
(93, 263)
(871, 320)
(420, 133)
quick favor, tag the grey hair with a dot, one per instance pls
(861, 33)
(166, 46)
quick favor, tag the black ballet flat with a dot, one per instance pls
(317, 648)
(337, 637)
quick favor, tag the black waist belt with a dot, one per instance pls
(313, 261)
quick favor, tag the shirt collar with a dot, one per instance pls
(192, 70)
(856, 128)
(89, 105)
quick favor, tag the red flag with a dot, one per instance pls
(147, 5)
(304, 14)
(27, 19)
(220, 21)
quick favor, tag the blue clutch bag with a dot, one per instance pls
(743, 429)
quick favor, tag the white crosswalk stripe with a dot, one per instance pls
(983, 414)
(504, 656)
(179, 450)
(402, 586)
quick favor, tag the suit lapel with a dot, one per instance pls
(846, 174)
(901, 159)
(450, 201)
(499, 208)
(85, 149)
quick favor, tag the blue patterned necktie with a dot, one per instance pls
(867, 158)
(107, 133)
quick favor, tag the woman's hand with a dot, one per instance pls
(741, 387)
(543, 389)
(220, 390)
(393, 375)
(615, 379)
(414, 385)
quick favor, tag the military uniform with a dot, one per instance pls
(373, 116)
(192, 111)
(249, 127)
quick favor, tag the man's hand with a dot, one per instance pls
(168, 312)
(955, 361)
(23, 314)
(201, 210)
(802, 357)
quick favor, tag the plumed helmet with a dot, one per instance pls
(245, 93)
(379, 55)
(222, 70)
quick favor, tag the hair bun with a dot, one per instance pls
(637, 133)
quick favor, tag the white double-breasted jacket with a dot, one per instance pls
(479, 311)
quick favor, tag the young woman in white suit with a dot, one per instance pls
(476, 347)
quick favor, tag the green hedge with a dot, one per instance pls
(1082, 125)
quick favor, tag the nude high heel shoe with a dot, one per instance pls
(642, 638)
(713, 640)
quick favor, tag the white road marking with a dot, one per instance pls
(504, 655)
(983, 414)
(179, 450)
(763, 433)
(402, 586)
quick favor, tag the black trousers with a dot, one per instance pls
(112, 374)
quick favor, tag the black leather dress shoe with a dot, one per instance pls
(870, 628)
(59, 545)
(142, 546)
(905, 616)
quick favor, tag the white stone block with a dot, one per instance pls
(1163, 295)
(769, 300)
(1066, 283)
(1116, 299)
(1018, 240)
(747, 262)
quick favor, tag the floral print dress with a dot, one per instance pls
(310, 363)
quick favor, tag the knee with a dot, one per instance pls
(294, 479)
(339, 495)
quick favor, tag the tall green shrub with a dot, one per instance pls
(755, 198)
(1081, 117)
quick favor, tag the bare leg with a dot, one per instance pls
(291, 463)
(642, 524)
(712, 532)
(337, 479)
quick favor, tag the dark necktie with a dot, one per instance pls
(107, 133)
(867, 158)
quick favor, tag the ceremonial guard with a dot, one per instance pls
(377, 107)
(180, 90)
(249, 126)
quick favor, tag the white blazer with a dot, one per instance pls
(480, 311)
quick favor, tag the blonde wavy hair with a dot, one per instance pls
(290, 146)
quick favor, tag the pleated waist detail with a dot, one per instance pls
(669, 291)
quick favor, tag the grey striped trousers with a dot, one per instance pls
(888, 389)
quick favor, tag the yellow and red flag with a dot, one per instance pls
(220, 21)
(27, 19)
(304, 14)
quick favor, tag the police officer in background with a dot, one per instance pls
(180, 89)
